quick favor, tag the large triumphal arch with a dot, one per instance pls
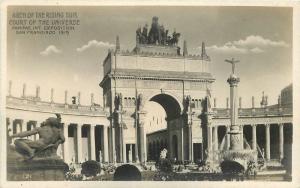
(155, 70)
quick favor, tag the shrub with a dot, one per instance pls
(127, 172)
(164, 165)
(90, 168)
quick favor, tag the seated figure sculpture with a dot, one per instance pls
(50, 136)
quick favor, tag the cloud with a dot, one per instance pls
(251, 44)
(50, 50)
(227, 49)
(258, 41)
(95, 44)
(256, 50)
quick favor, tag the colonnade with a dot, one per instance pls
(214, 143)
(72, 132)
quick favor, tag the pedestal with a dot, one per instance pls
(46, 169)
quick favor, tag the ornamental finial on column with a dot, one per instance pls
(233, 80)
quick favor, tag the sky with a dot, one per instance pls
(260, 37)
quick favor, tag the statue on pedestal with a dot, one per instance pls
(50, 136)
(37, 159)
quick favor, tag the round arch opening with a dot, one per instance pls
(170, 105)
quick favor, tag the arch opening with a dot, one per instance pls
(170, 105)
(163, 110)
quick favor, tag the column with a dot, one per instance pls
(120, 138)
(227, 137)
(190, 143)
(112, 143)
(105, 144)
(92, 99)
(9, 126)
(209, 139)
(66, 143)
(79, 143)
(124, 151)
(253, 102)
(254, 137)
(242, 136)
(227, 102)
(18, 126)
(92, 142)
(24, 91)
(182, 145)
(38, 124)
(216, 144)
(24, 125)
(79, 98)
(142, 149)
(52, 95)
(267, 141)
(130, 157)
(281, 141)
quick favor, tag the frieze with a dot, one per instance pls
(149, 84)
(254, 120)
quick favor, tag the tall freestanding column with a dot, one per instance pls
(281, 154)
(235, 133)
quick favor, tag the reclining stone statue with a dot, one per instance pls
(50, 136)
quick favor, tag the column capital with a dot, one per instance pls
(93, 125)
(253, 125)
(267, 125)
(66, 124)
(281, 124)
(141, 124)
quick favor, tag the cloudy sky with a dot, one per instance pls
(261, 38)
